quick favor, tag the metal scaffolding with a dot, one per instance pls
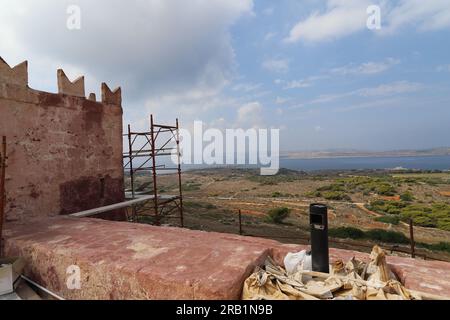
(145, 152)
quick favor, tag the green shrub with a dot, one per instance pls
(444, 224)
(435, 216)
(366, 185)
(313, 194)
(386, 236)
(385, 190)
(332, 187)
(347, 233)
(392, 219)
(284, 176)
(420, 218)
(377, 204)
(393, 210)
(386, 207)
(276, 195)
(277, 215)
(336, 196)
(407, 197)
(375, 234)
(441, 246)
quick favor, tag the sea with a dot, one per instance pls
(440, 163)
(360, 163)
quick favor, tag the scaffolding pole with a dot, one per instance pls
(153, 156)
(180, 186)
(130, 146)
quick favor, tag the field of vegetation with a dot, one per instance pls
(406, 206)
(341, 188)
(434, 215)
(371, 207)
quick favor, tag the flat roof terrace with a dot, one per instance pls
(120, 260)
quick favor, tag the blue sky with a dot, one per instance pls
(411, 63)
(311, 68)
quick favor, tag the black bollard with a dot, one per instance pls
(319, 238)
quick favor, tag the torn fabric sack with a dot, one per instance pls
(354, 280)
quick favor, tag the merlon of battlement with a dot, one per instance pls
(17, 75)
(111, 97)
(67, 87)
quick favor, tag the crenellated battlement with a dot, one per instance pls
(70, 145)
(18, 76)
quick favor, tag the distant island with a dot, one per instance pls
(444, 151)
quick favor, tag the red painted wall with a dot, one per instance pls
(64, 151)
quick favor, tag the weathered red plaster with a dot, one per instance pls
(121, 260)
(62, 148)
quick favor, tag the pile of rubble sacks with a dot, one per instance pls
(355, 280)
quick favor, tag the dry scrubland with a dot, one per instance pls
(365, 207)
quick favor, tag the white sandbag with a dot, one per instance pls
(307, 263)
(300, 261)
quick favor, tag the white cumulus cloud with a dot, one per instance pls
(367, 68)
(276, 65)
(342, 18)
(249, 115)
(443, 68)
(150, 47)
